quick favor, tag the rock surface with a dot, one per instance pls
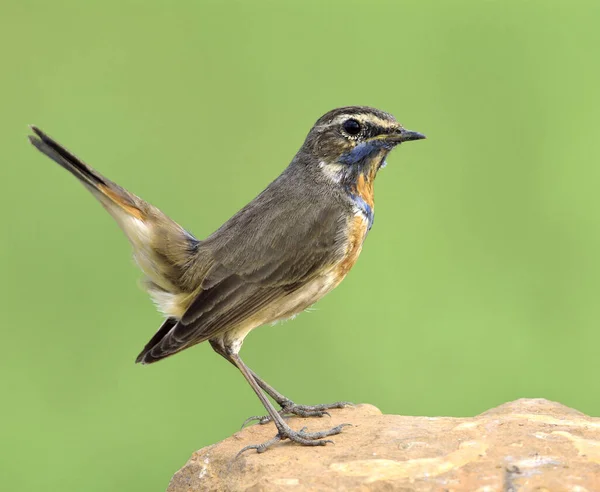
(526, 445)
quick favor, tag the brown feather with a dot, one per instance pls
(278, 255)
(258, 261)
(162, 248)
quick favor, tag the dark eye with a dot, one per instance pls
(351, 127)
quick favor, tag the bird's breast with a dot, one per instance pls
(358, 227)
(290, 305)
(361, 194)
(364, 189)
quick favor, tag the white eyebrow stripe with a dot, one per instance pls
(364, 118)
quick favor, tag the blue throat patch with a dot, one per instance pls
(358, 157)
(362, 152)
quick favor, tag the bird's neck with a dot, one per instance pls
(360, 188)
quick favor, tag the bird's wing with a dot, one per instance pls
(258, 259)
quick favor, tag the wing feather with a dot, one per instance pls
(258, 257)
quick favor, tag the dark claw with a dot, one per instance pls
(260, 448)
(250, 419)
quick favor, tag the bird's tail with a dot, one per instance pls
(108, 193)
(162, 248)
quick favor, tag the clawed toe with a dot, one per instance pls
(290, 409)
(303, 411)
(301, 437)
(321, 434)
(262, 419)
(260, 448)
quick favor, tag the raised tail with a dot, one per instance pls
(64, 158)
(162, 248)
(108, 193)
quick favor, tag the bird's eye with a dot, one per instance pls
(351, 127)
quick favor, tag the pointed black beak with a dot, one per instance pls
(402, 135)
(407, 135)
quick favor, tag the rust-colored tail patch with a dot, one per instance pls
(122, 202)
(90, 177)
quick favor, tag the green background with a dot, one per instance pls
(477, 285)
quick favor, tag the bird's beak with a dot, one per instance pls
(407, 135)
(400, 135)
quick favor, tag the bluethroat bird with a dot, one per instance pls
(277, 256)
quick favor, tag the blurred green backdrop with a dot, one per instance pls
(478, 284)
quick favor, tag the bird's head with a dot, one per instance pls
(353, 141)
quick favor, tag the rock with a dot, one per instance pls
(525, 445)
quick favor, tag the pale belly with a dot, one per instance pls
(284, 308)
(303, 298)
(306, 296)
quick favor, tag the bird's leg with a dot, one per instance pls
(288, 407)
(284, 431)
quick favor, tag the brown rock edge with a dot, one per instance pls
(525, 445)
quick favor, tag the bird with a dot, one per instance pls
(277, 256)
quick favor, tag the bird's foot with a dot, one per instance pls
(301, 437)
(289, 408)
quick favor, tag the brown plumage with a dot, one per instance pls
(278, 255)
